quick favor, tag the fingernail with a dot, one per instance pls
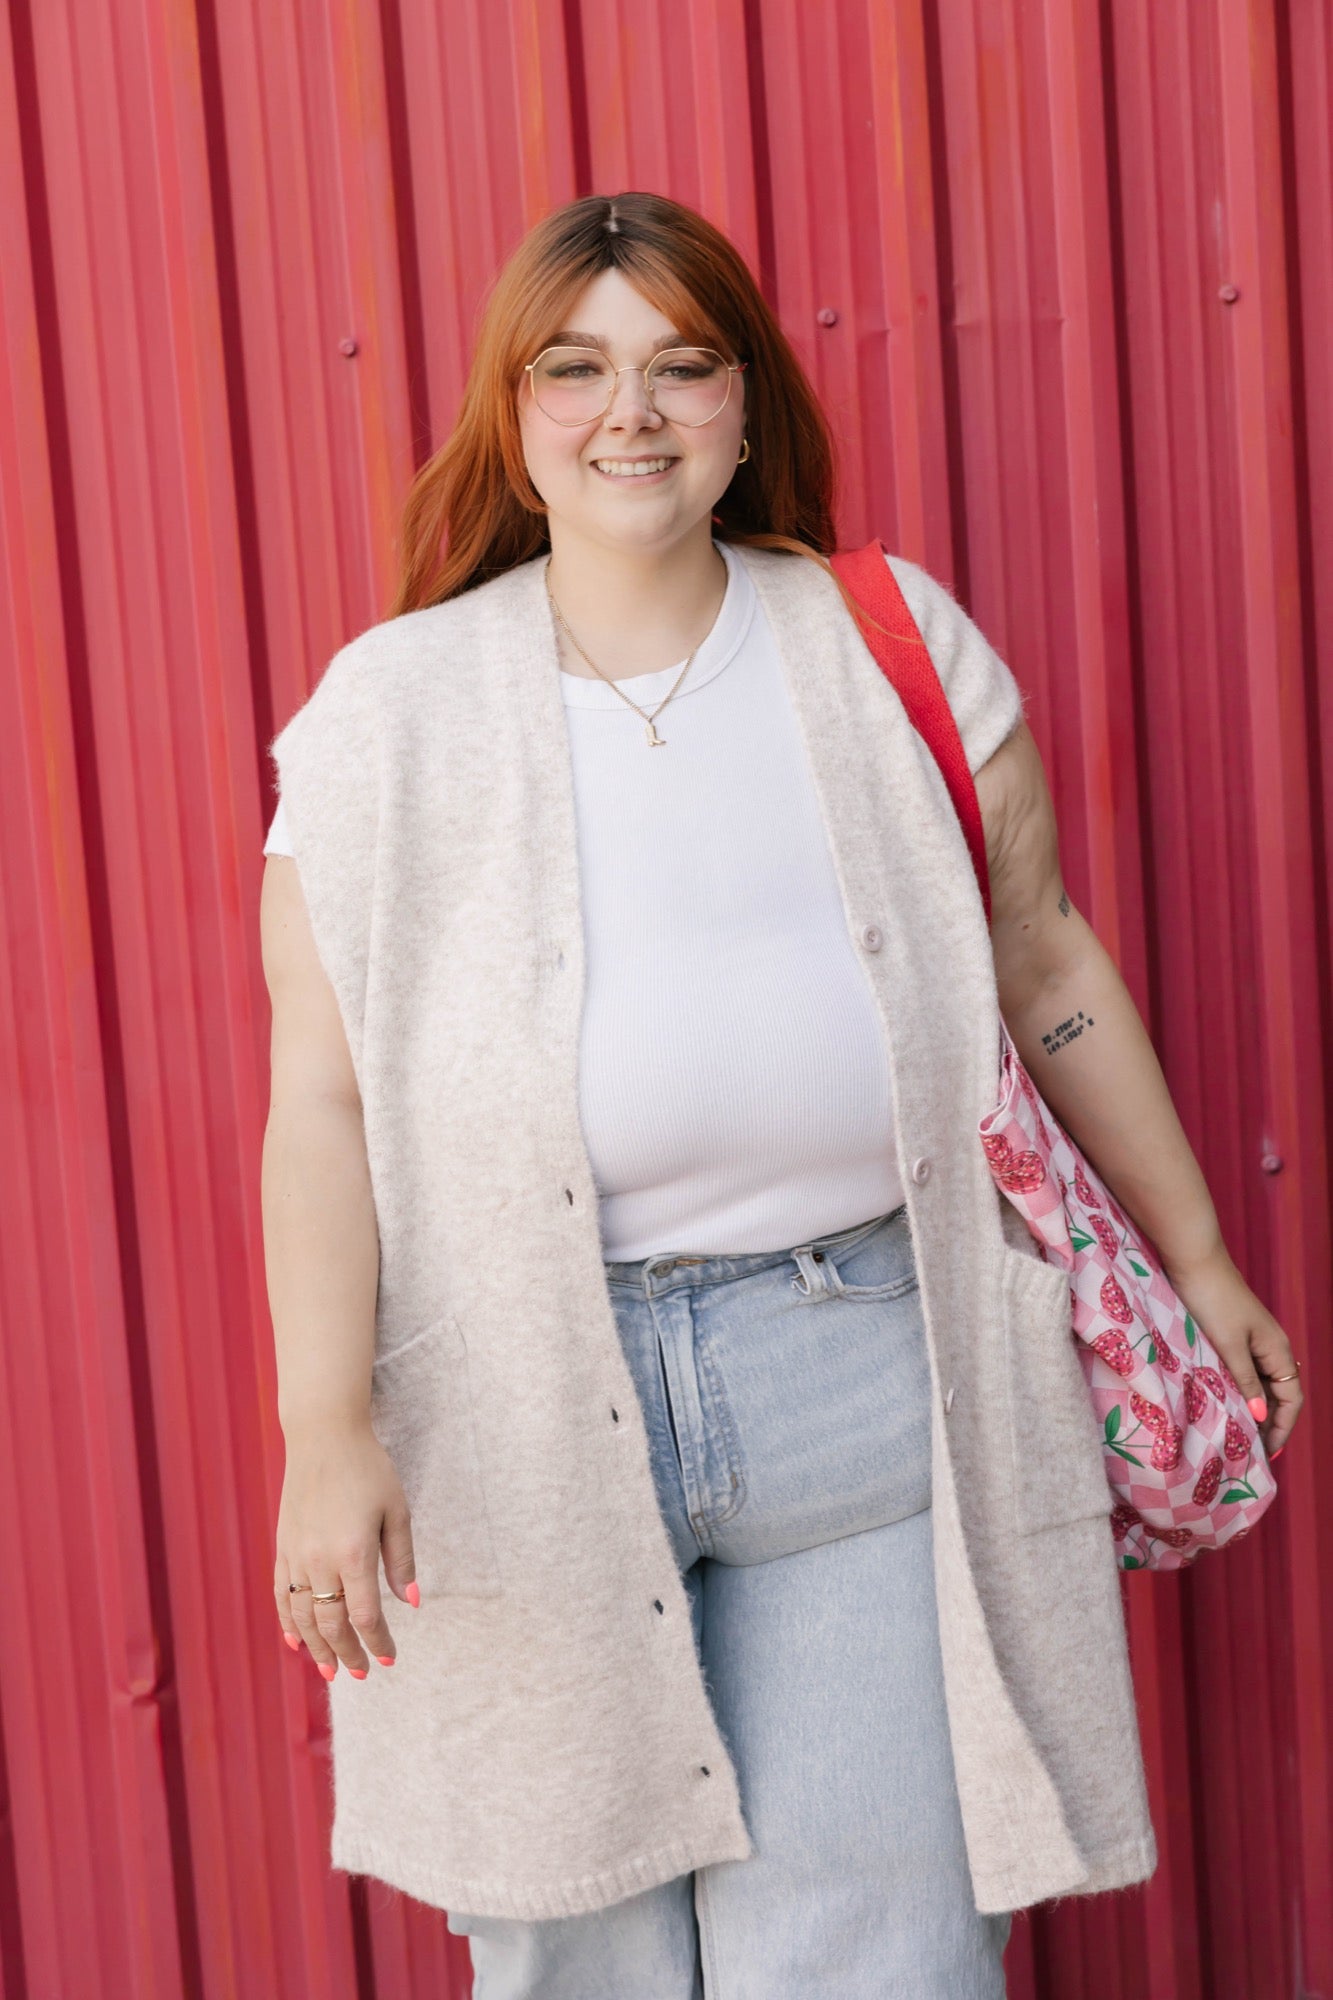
(412, 1594)
(1257, 1408)
(293, 1640)
(1276, 1454)
(386, 1659)
(328, 1670)
(358, 1673)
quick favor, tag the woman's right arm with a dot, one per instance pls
(321, 1245)
(341, 1498)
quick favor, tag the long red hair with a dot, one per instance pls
(472, 511)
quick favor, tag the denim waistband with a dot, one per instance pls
(688, 1268)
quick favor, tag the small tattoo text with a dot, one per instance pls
(1068, 1031)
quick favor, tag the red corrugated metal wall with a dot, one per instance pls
(1063, 273)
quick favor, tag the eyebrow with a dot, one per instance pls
(570, 339)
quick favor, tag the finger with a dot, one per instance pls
(335, 1626)
(308, 1622)
(1286, 1401)
(282, 1593)
(365, 1609)
(1241, 1365)
(400, 1568)
(1280, 1380)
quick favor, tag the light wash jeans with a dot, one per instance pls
(787, 1399)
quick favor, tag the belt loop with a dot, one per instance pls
(811, 1272)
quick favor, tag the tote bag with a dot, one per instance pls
(1183, 1456)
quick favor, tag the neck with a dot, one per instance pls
(634, 611)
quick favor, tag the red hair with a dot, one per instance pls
(472, 511)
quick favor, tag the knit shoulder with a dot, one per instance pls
(986, 700)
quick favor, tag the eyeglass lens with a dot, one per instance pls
(687, 385)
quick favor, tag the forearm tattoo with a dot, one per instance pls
(1067, 1031)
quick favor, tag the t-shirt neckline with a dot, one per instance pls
(721, 645)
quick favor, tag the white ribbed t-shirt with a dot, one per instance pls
(734, 1090)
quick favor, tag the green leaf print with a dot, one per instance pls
(1130, 1562)
(1112, 1424)
(1152, 1352)
(1140, 1268)
(1241, 1492)
(1080, 1242)
(1120, 1452)
(1189, 1331)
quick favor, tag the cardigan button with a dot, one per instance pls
(872, 937)
(948, 1399)
(921, 1172)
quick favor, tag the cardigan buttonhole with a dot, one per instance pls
(569, 1196)
(658, 1602)
(704, 1768)
(615, 1414)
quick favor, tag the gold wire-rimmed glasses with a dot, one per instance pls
(686, 385)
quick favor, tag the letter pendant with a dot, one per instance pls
(655, 742)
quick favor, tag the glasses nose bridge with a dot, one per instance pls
(614, 391)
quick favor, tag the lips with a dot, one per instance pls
(629, 478)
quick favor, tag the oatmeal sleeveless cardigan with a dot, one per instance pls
(545, 1744)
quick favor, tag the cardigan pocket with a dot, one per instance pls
(423, 1414)
(1058, 1473)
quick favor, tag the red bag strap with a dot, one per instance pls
(903, 658)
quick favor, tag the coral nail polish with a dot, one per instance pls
(1257, 1408)
(412, 1594)
(293, 1640)
(1274, 1455)
(386, 1659)
(358, 1673)
(327, 1668)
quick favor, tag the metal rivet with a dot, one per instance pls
(818, 1256)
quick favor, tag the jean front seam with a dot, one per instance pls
(722, 1416)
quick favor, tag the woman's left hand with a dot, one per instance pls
(1248, 1339)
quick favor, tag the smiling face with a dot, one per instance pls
(645, 513)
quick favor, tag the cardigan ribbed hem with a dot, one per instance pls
(1001, 1889)
(415, 1876)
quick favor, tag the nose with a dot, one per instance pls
(629, 402)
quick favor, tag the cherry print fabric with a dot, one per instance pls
(1184, 1459)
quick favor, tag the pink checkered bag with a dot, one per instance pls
(1183, 1457)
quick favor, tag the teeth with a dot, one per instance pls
(639, 471)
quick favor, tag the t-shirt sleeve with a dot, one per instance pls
(986, 700)
(279, 841)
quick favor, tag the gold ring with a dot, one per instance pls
(326, 1596)
(1285, 1378)
(298, 1586)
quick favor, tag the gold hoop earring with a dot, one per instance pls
(745, 453)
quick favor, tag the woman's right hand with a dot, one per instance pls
(342, 1507)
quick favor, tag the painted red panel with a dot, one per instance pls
(1063, 276)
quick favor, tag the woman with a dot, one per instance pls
(643, 1304)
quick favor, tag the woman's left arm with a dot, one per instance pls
(1075, 1024)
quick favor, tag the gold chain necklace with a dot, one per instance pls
(655, 742)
